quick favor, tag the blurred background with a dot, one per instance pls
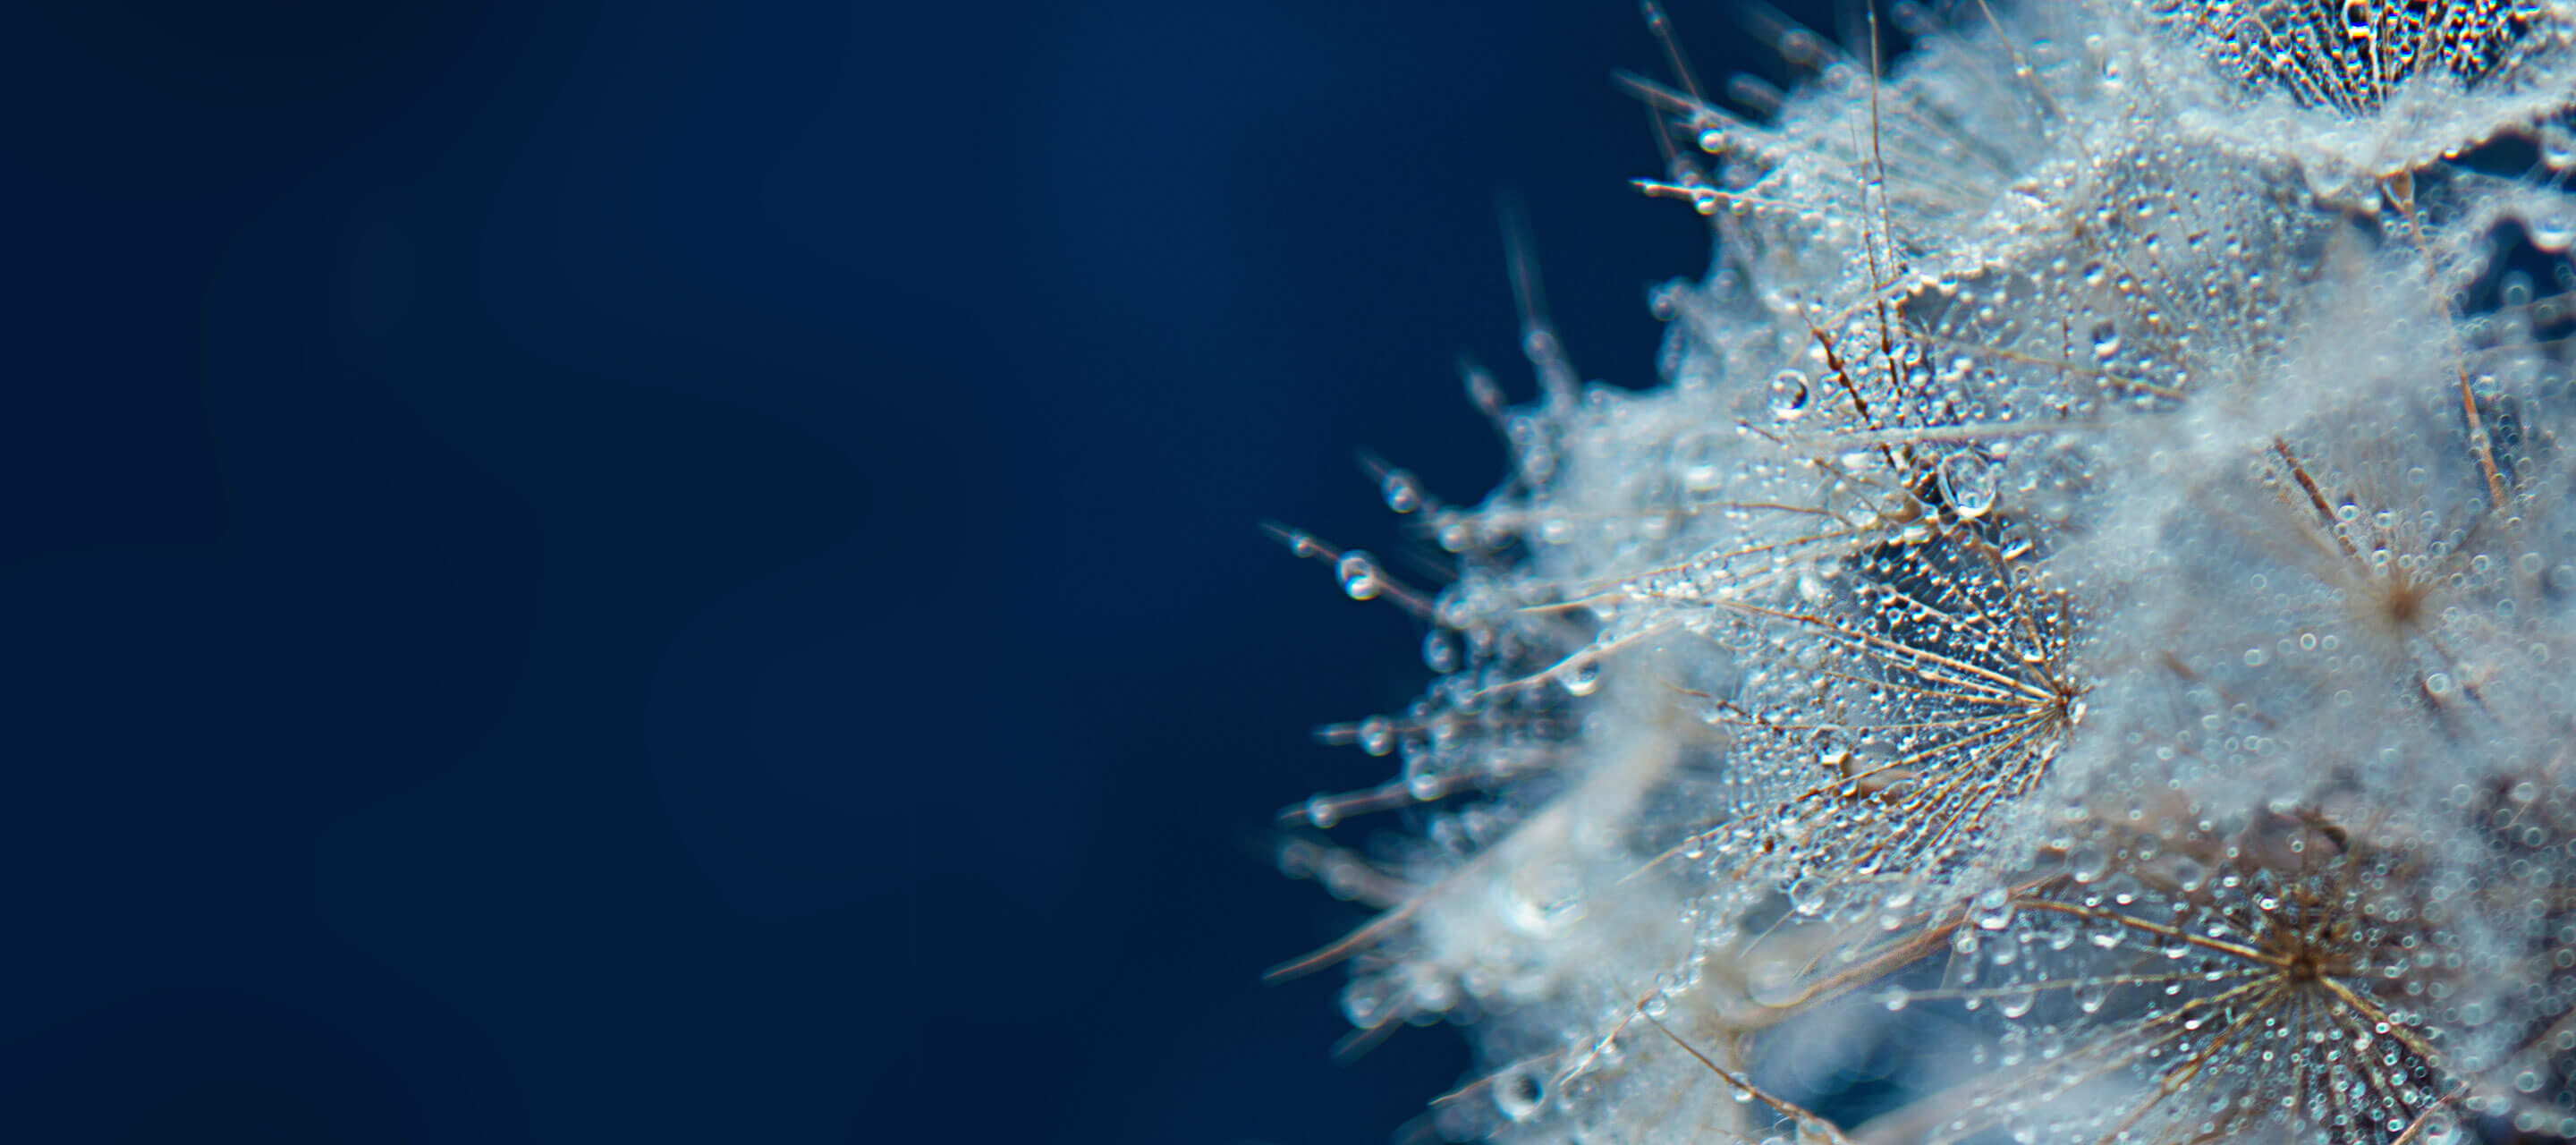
(658, 571)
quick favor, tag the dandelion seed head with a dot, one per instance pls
(2081, 635)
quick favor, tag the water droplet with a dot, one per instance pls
(1789, 395)
(2189, 874)
(1969, 482)
(2106, 341)
(1359, 576)
(1403, 492)
(2018, 1002)
(2090, 995)
(1807, 895)
(1664, 302)
(2552, 231)
(1849, 503)
(2088, 863)
(1774, 983)
(1699, 459)
(1439, 652)
(1543, 900)
(1993, 910)
(1518, 1094)
(2557, 146)
(1321, 812)
(1377, 735)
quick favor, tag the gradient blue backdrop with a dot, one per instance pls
(687, 572)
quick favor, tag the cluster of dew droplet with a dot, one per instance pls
(2353, 55)
(2083, 638)
(2280, 977)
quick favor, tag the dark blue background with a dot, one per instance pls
(688, 571)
